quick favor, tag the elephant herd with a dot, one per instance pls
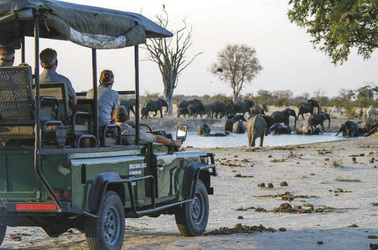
(259, 124)
(150, 106)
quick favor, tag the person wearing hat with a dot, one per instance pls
(6, 56)
(122, 117)
(107, 98)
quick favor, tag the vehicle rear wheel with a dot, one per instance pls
(192, 218)
(3, 230)
(108, 230)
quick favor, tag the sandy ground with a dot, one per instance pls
(330, 202)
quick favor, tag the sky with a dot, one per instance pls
(286, 54)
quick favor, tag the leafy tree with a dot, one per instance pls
(365, 95)
(337, 26)
(236, 64)
(170, 56)
(282, 97)
(220, 97)
(264, 97)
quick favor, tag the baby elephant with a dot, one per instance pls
(144, 113)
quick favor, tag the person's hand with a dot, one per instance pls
(177, 143)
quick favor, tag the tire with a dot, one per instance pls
(191, 219)
(3, 230)
(108, 230)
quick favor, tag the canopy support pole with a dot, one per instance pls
(95, 111)
(136, 62)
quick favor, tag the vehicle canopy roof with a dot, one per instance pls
(89, 26)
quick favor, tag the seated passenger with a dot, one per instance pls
(49, 63)
(107, 98)
(6, 56)
(122, 117)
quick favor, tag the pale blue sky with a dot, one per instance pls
(284, 50)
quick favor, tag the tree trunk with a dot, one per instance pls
(169, 85)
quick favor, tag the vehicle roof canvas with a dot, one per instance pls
(89, 26)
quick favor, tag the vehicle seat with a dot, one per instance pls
(79, 125)
(16, 103)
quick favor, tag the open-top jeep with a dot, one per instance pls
(47, 178)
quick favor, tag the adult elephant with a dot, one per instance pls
(259, 109)
(242, 106)
(195, 109)
(318, 119)
(306, 129)
(203, 129)
(307, 107)
(182, 107)
(256, 127)
(157, 105)
(207, 108)
(221, 108)
(231, 119)
(284, 115)
(238, 127)
(279, 129)
(129, 104)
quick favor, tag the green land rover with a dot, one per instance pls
(47, 179)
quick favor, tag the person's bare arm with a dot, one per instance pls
(167, 141)
(73, 101)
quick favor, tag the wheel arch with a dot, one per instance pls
(102, 183)
(194, 172)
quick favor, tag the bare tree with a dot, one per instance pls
(236, 64)
(170, 56)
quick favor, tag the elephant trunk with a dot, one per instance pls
(329, 122)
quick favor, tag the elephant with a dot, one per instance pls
(195, 109)
(351, 129)
(242, 107)
(284, 115)
(259, 109)
(318, 119)
(238, 127)
(341, 129)
(279, 129)
(182, 107)
(307, 107)
(306, 129)
(207, 108)
(256, 127)
(231, 119)
(269, 122)
(221, 108)
(129, 104)
(144, 113)
(203, 129)
(157, 105)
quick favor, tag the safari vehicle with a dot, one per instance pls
(47, 179)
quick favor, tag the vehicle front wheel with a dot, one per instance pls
(192, 218)
(3, 230)
(108, 230)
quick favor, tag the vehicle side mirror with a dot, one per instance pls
(182, 131)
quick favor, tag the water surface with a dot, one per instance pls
(240, 140)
